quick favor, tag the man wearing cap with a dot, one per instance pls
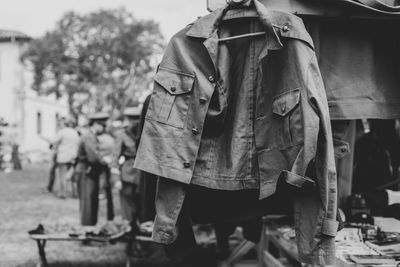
(124, 175)
(91, 165)
(106, 147)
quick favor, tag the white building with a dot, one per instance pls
(32, 117)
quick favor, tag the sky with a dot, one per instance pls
(35, 17)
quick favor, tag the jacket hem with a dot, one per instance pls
(226, 184)
(163, 171)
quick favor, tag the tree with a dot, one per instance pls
(98, 60)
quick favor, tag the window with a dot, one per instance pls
(39, 122)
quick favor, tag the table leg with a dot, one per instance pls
(42, 254)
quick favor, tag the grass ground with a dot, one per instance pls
(23, 206)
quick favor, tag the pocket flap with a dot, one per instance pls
(284, 103)
(175, 82)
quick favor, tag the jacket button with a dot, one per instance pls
(173, 89)
(283, 107)
(285, 28)
(195, 131)
(344, 149)
(211, 79)
(186, 164)
(203, 100)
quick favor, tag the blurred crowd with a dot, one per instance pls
(88, 162)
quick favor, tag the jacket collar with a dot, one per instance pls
(205, 26)
(287, 25)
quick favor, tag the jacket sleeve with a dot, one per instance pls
(325, 154)
(316, 210)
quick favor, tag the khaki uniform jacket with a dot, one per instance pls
(292, 124)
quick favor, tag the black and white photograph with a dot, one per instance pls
(200, 133)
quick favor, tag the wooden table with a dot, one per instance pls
(41, 240)
(273, 247)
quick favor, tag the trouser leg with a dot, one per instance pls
(147, 196)
(52, 175)
(89, 199)
(62, 177)
(128, 198)
(75, 183)
(109, 197)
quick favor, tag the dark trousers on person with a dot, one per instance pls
(89, 199)
(89, 186)
(129, 198)
(107, 187)
(129, 208)
(52, 173)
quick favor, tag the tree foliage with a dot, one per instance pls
(98, 60)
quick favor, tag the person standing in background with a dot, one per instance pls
(53, 166)
(89, 168)
(66, 146)
(125, 177)
(106, 146)
(15, 157)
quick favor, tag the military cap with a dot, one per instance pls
(132, 111)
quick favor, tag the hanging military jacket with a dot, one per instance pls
(288, 125)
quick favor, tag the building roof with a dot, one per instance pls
(10, 35)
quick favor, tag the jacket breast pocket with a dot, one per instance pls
(287, 117)
(171, 96)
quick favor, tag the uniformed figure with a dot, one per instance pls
(125, 176)
(106, 147)
(91, 165)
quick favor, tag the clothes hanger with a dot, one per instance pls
(241, 9)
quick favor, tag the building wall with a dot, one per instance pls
(40, 121)
(10, 68)
(20, 105)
